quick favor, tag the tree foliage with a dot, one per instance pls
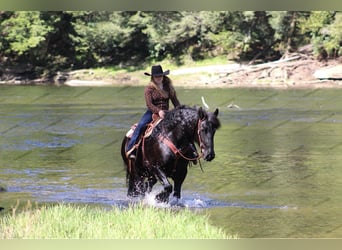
(75, 39)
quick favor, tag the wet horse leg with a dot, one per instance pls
(151, 181)
(135, 182)
(179, 177)
(131, 177)
(163, 196)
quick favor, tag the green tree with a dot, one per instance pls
(57, 40)
(243, 35)
(260, 35)
(293, 29)
(107, 38)
(38, 38)
(24, 31)
(156, 28)
(333, 36)
(323, 30)
(287, 26)
(223, 34)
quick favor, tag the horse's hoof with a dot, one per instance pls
(159, 200)
(175, 202)
(180, 205)
(134, 195)
(162, 198)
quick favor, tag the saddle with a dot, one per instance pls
(149, 127)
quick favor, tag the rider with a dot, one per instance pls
(157, 95)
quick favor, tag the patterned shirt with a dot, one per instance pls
(156, 100)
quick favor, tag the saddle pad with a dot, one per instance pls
(149, 129)
(130, 132)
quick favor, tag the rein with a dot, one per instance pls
(176, 151)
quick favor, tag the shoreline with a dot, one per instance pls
(295, 72)
(325, 84)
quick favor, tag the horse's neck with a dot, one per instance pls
(184, 130)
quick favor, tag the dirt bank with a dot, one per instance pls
(295, 71)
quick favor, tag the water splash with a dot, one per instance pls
(150, 200)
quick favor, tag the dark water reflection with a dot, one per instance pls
(277, 172)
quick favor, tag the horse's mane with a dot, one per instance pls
(177, 115)
(183, 112)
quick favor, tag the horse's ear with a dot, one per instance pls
(201, 114)
(216, 112)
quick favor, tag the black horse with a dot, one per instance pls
(167, 151)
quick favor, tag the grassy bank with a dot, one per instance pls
(134, 75)
(65, 221)
(219, 72)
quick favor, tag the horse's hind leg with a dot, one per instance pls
(136, 185)
(163, 196)
(136, 188)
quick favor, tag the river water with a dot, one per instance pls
(277, 171)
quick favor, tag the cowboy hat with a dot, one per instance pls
(157, 70)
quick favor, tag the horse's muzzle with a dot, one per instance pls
(209, 157)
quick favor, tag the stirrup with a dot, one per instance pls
(130, 154)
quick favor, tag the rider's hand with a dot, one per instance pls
(161, 114)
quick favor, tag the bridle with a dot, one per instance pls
(178, 152)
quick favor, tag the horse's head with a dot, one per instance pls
(207, 125)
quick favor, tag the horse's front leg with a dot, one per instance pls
(164, 195)
(179, 177)
(151, 181)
